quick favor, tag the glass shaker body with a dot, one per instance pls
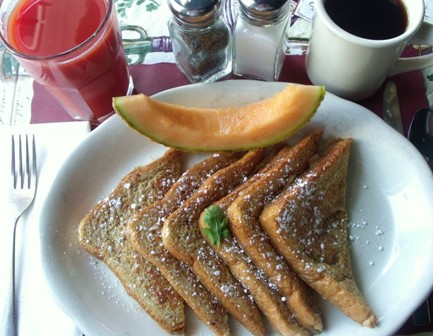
(203, 49)
(258, 42)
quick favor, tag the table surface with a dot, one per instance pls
(149, 21)
(153, 78)
(150, 79)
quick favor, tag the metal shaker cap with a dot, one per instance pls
(194, 12)
(265, 11)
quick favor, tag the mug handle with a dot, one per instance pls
(424, 35)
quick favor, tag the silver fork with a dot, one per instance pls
(21, 194)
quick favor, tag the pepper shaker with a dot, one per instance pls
(201, 39)
(258, 38)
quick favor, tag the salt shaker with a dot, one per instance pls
(258, 38)
(201, 39)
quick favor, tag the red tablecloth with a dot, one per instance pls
(151, 79)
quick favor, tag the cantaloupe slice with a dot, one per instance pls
(255, 125)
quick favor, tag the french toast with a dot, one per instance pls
(181, 236)
(102, 234)
(144, 233)
(243, 217)
(265, 294)
(308, 225)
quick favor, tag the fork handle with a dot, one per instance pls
(9, 322)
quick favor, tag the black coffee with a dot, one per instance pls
(370, 19)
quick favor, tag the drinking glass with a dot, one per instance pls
(72, 48)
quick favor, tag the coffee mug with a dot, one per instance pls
(353, 61)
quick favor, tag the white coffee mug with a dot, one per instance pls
(353, 67)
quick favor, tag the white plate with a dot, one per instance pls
(390, 201)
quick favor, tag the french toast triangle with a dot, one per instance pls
(102, 233)
(243, 217)
(181, 236)
(271, 302)
(144, 232)
(308, 224)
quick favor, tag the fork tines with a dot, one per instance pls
(23, 167)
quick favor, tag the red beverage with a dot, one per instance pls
(74, 49)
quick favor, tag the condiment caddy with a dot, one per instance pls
(206, 49)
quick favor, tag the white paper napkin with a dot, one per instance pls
(37, 312)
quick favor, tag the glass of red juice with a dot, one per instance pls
(72, 48)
